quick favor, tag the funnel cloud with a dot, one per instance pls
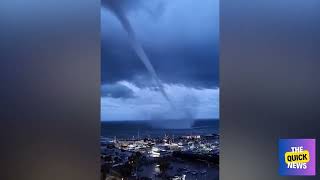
(181, 49)
(115, 7)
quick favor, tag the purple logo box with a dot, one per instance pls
(297, 157)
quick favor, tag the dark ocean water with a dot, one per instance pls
(130, 129)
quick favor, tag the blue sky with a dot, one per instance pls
(180, 38)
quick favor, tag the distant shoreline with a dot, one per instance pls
(158, 128)
(117, 121)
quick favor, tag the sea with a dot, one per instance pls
(155, 128)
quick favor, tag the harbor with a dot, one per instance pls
(168, 157)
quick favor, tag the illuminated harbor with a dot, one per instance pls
(167, 157)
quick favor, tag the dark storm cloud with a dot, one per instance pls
(122, 4)
(116, 91)
(153, 7)
(182, 43)
(194, 66)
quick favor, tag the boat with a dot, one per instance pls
(203, 172)
(194, 172)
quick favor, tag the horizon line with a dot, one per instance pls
(200, 119)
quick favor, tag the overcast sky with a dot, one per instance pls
(180, 38)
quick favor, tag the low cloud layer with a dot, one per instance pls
(116, 91)
(148, 103)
